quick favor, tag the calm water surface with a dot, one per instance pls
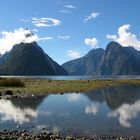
(114, 111)
(77, 77)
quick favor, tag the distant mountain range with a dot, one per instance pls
(114, 60)
(29, 59)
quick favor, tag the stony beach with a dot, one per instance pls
(28, 135)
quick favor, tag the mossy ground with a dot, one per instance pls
(62, 86)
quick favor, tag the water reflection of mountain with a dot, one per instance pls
(115, 96)
(32, 103)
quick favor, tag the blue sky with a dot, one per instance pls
(68, 29)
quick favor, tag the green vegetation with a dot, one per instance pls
(56, 86)
(9, 82)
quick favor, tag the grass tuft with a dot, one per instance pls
(6, 82)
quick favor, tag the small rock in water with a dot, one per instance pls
(5, 130)
(33, 95)
(70, 138)
(18, 126)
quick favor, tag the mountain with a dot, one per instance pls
(122, 95)
(118, 60)
(86, 65)
(114, 60)
(29, 59)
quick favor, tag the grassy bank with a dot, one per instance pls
(60, 86)
(10, 82)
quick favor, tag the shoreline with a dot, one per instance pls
(45, 135)
(78, 85)
(32, 86)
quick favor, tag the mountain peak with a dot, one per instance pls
(86, 65)
(114, 60)
(113, 44)
(34, 43)
(29, 59)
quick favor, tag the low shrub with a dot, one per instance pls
(10, 82)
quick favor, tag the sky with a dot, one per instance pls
(69, 29)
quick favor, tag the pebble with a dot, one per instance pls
(18, 126)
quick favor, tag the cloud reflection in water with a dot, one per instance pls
(126, 113)
(92, 109)
(74, 97)
(9, 112)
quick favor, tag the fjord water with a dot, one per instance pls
(108, 111)
(70, 77)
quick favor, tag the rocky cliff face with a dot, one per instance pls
(114, 60)
(29, 59)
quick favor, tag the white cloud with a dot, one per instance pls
(9, 39)
(41, 25)
(92, 109)
(45, 38)
(93, 42)
(125, 38)
(63, 37)
(45, 22)
(65, 11)
(73, 54)
(70, 6)
(34, 30)
(126, 113)
(10, 112)
(68, 9)
(91, 16)
(24, 20)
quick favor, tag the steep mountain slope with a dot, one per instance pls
(29, 59)
(86, 65)
(115, 60)
(118, 60)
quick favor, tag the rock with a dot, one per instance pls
(70, 138)
(5, 130)
(20, 138)
(32, 95)
(0, 94)
(18, 126)
(133, 138)
(9, 92)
